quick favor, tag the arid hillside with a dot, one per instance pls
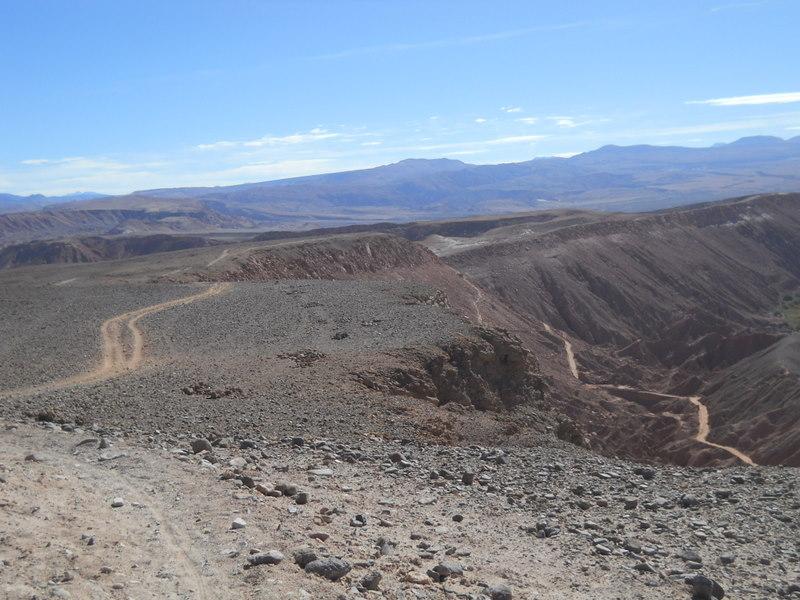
(661, 301)
(94, 249)
(361, 415)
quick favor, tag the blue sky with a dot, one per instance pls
(121, 95)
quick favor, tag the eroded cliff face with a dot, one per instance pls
(340, 257)
(489, 371)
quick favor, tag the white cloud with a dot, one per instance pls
(315, 135)
(515, 139)
(529, 120)
(511, 109)
(783, 98)
(567, 122)
(216, 145)
(375, 143)
(35, 161)
(480, 120)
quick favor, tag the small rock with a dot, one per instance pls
(273, 557)
(237, 462)
(704, 588)
(499, 592)
(238, 523)
(117, 503)
(358, 521)
(329, 568)
(287, 489)
(303, 556)
(371, 581)
(417, 578)
(201, 444)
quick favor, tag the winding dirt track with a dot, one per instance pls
(114, 361)
(703, 428)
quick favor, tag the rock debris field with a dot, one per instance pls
(101, 513)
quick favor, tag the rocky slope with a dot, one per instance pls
(54, 223)
(661, 301)
(204, 516)
(94, 249)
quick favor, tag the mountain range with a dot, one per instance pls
(611, 178)
(12, 203)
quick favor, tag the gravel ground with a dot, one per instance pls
(545, 523)
(287, 351)
(50, 331)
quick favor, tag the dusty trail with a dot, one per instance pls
(114, 361)
(477, 300)
(703, 428)
(65, 282)
(219, 258)
(573, 365)
(154, 528)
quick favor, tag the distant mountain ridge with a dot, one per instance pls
(618, 178)
(628, 178)
(14, 203)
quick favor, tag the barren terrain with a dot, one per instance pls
(424, 418)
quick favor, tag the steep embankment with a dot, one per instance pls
(94, 249)
(660, 301)
(758, 400)
(691, 290)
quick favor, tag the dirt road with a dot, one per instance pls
(219, 258)
(703, 431)
(114, 360)
(703, 428)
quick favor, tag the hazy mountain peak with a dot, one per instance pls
(754, 140)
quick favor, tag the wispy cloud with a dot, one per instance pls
(315, 135)
(511, 109)
(782, 98)
(480, 120)
(515, 139)
(567, 122)
(529, 120)
(445, 42)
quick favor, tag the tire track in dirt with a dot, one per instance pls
(114, 361)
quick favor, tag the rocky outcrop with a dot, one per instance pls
(340, 257)
(490, 371)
